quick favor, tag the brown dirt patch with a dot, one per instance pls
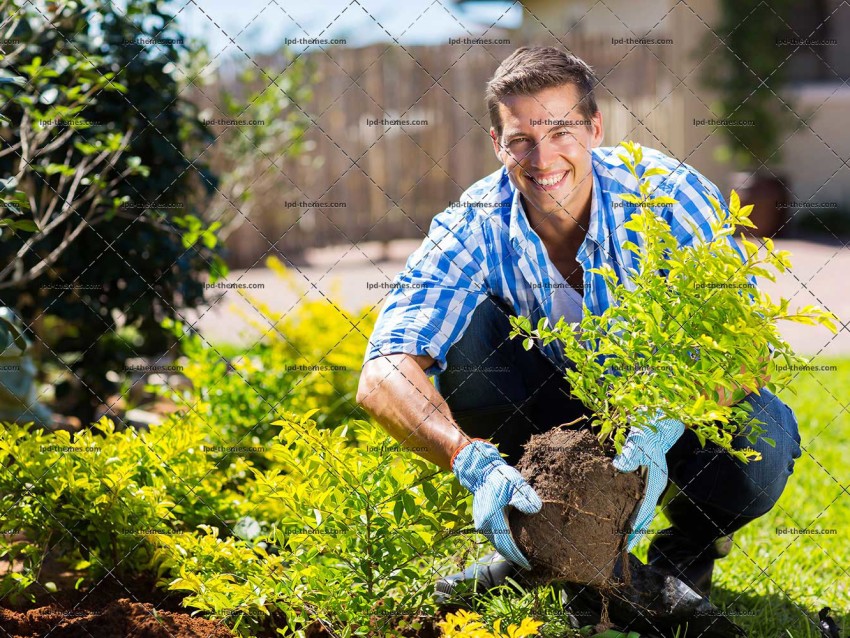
(587, 507)
(112, 608)
(118, 619)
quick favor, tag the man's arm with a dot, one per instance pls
(395, 390)
(437, 292)
(728, 398)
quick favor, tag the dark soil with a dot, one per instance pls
(588, 506)
(110, 609)
(119, 619)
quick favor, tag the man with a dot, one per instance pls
(523, 242)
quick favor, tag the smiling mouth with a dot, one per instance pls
(550, 183)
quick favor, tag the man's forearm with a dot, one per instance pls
(397, 393)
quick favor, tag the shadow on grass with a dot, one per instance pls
(775, 615)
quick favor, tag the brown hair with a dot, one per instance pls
(529, 70)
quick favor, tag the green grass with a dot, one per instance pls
(783, 580)
(774, 585)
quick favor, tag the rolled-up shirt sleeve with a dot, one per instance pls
(694, 195)
(431, 301)
(694, 207)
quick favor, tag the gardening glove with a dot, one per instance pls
(495, 485)
(645, 447)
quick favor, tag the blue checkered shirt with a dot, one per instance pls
(484, 246)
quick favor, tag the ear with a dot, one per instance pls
(597, 130)
(497, 149)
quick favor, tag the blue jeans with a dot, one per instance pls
(498, 390)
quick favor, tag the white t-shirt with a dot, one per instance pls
(566, 300)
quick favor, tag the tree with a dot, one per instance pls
(104, 149)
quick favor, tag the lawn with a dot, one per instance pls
(783, 580)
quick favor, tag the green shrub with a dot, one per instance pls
(110, 155)
(331, 521)
(364, 529)
(309, 358)
(95, 499)
(227, 577)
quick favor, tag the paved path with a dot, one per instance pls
(353, 277)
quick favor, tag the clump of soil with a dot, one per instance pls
(119, 618)
(588, 507)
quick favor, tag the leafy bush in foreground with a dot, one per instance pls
(95, 501)
(363, 527)
(308, 358)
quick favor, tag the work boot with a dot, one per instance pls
(486, 573)
(675, 554)
(699, 534)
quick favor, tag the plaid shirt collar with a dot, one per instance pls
(530, 249)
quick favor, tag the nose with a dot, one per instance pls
(543, 154)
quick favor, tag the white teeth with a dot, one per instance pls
(550, 181)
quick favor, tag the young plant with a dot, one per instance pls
(513, 604)
(227, 578)
(688, 322)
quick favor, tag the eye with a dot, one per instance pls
(519, 145)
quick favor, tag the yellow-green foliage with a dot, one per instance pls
(94, 500)
(309, 358)
(358, 521)
(226, 577)
(332, 520)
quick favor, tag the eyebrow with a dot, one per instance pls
(508, 135)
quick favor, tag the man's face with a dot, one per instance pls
(548, 163)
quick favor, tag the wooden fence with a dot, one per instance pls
(387, 182)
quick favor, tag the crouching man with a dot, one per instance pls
(524, 243)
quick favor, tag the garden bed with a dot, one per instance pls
(131, 607)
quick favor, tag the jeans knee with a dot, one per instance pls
(728, 484)
(764, 480)
(781, 427)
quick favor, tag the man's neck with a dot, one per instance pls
(562, 229)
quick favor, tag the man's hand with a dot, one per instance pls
(645, 447)
(495, 486)
(728, 398)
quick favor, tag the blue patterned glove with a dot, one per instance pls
(495, 485)
(645, 447)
